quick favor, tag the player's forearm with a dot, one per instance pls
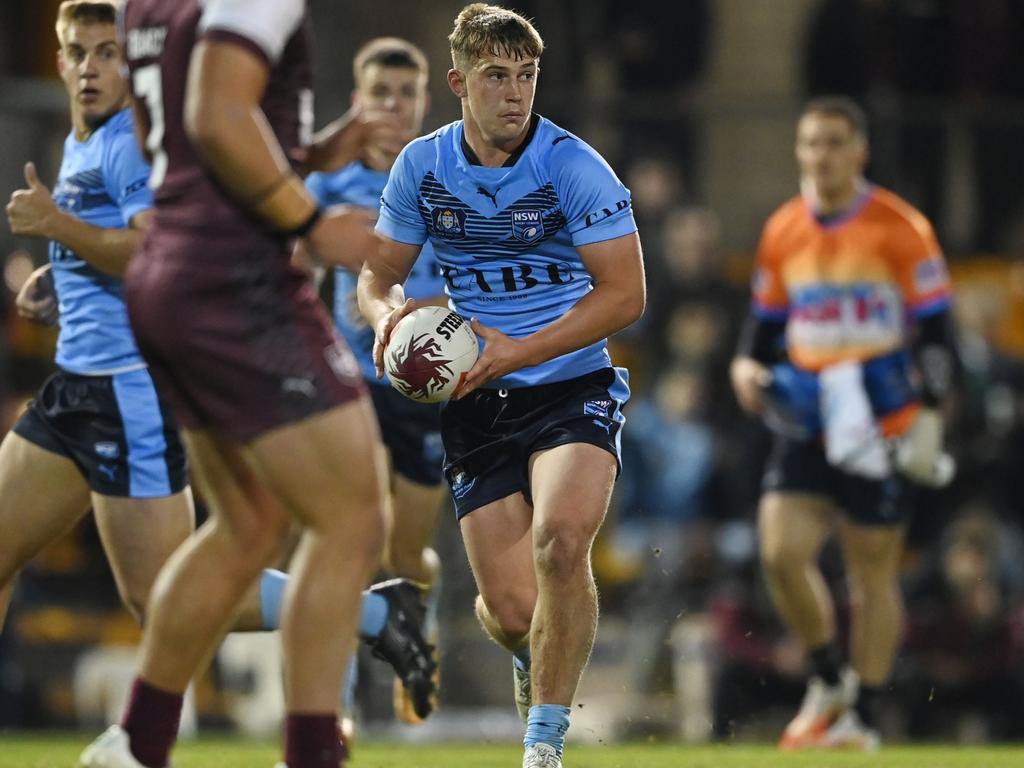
(108, 250)
(604, 311)
(326, 152)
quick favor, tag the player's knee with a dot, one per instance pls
(560, 551)
(258, 539)
(507, 615)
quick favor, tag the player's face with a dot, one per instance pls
(499, 95)
(90, 66)
(831, 154)
(402, 91)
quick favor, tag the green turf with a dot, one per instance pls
(61, 752)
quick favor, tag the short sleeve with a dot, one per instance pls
(400, 218)
(126, 176)
(769, 298)
(596, 204)
(921, 270)
(316, 183)
(266, 25)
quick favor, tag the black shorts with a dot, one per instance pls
(115, 428)
(801, 467)
(412, 433)
(490, 436)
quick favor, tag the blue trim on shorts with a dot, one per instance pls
(620, 391)
(137, 401)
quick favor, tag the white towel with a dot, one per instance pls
(853, 441)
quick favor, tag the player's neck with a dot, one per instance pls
(492, 153)
(82, 129)
(832, 202)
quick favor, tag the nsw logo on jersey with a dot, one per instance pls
(527, 226)
(449, 223)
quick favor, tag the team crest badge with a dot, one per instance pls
(449, 223)
(527, 226)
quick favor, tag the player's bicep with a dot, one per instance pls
(392, 260)
(617, 262)
(142, 220)
(226, 81)
(596, 205)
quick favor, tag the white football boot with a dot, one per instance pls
(541, 756)
(110, 750)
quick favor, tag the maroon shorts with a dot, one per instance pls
(236, 338)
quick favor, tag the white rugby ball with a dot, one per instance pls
(429, 354)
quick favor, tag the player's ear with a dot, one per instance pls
(457, 82)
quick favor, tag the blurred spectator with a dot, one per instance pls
(660, 53)
(964, 653)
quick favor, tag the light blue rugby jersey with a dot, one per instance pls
(102, 181)
(506, 238)
(355, 184)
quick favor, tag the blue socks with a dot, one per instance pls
(272, 585)
(372, 617)
(547, 724)
(521, 659)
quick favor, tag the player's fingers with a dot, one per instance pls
(483, 331)
(31, 176)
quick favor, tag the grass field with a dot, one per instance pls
(62, 752)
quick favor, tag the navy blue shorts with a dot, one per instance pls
(412, 433)
(114, 428)
(490, 435)
(797, 466)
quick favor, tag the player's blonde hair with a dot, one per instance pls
(389, 52)
(481, 30)
(84, 12)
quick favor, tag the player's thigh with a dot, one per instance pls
(42, 495)
(793, 526)
(326, 466)
(139, 535)
(499, 544)
(238, 501)
(571, 486)
(415, 511)
(871, 552)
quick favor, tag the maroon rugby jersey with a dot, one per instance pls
(158, 37)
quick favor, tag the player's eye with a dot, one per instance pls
(527, 76)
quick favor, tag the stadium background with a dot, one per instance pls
(693, 103)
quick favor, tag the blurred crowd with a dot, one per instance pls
(680, 544)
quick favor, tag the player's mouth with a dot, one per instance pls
(512, 116)
(89, 95)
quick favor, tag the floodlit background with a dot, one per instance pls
(693, 103)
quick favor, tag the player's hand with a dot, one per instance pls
(31, 211)
(350, 137)
(749, 378)
(37, 299)
(501, 355)
(917, 451)
(343, 237)
(383, 329)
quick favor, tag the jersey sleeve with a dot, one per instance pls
(769, 298)
(263, 26)
(126, 176)
(316, 183)
(400, 218)
(596, 204)
(921, 270)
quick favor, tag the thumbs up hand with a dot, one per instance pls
(31, 212)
